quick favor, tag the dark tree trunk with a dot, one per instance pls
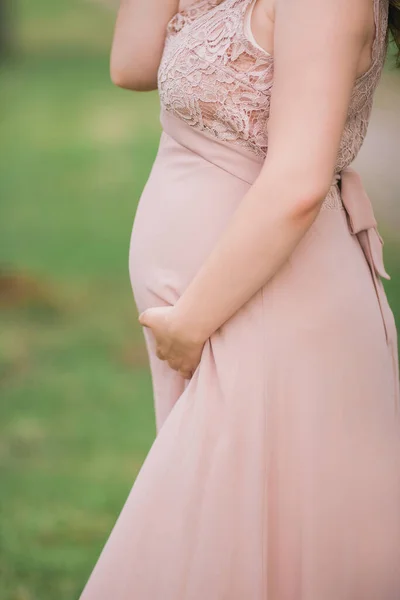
(5, 28)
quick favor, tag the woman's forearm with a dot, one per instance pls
(313, 85)
(138, 42)
(263, 232)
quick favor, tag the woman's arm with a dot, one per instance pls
(318, 48)
(139, 41)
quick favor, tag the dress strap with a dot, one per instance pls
(381, 16)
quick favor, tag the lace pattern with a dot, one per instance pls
(215, 79)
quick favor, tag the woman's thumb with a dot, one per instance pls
(143, 319)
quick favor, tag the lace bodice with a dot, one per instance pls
(214, 78)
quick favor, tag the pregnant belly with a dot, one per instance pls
(184, 208)
(324, 288)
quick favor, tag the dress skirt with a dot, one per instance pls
(275, 473)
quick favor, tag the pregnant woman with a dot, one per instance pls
(256, 267)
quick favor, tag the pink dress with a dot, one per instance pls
(275, 473)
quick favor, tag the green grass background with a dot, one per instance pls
(76, 408)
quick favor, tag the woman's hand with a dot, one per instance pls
(172, 343)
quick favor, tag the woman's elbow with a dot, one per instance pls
(309, 198)
(302, 191)
(132, 80)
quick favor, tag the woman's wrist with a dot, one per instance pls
(186, 327)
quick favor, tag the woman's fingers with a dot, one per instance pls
(159, 353)
(181, 366)
(143, 319)
(178, 364)
(186, 374)
(181, 355)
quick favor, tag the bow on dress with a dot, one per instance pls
(362, 223)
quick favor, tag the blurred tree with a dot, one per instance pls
(5, 28)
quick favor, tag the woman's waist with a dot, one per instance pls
(231, 158)
(183, 145)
